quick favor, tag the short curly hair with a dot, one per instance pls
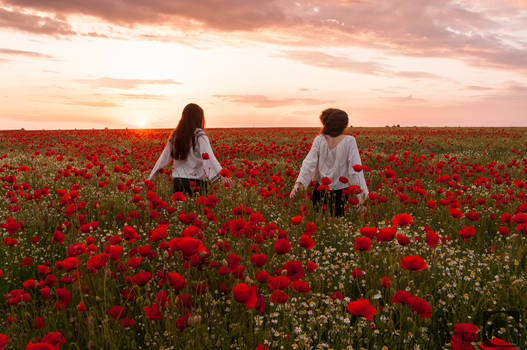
(334, 121)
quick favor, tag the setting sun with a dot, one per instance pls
(141, 123)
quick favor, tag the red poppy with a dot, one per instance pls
(389, 173)
(245, 294)
(116, 312)
(141, 278)
(362, 243)
(402, 220)
(301, 286)
(455, 213)
(63, 294)
(466, 232)
(363, 308)
(294, 270)
(205, 156)
(258, 260)
(81, 307)
(496, 344)
(39, 346)
(279, 282)
(278, 297)
(325, 181)
(55, 339)
(176, 280)
(386, 234)
(519, 218)
(472, 215)
(38, 323)
(358, 167)
(4, 340)
(403, 240)
(282, 246)
(421, 307)
(306, 242)
(356, 273)
(127, 322)
(296, 220)
(310, 228)
(225, 173)
(178, 197)
(413, 263)
(369, 232)
(311, 266)
(337, 295)
(466, 332)
(503, 230)
(432, 239)
(190, 246)
(153, 312)
(70, 263)
(158, 234)
(402, 296)
(262, 276)
(386, 282)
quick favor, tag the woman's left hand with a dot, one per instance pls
(227, 181)
(296, 187)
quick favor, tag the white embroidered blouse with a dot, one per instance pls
(321, 161)
(194, 167)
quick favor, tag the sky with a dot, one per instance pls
(136, 63)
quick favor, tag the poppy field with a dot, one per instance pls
(92, 256)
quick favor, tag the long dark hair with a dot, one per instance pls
(334, 121)
(183, 138)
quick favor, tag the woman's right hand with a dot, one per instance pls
(296, 187)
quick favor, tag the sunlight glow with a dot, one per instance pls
(141, 123)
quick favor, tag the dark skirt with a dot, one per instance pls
(189, 186)
(333, 199)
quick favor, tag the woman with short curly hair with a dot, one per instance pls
(330, 163)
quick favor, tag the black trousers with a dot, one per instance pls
(333, 199)
(189, 186)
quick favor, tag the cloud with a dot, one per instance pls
(33, 23)
(478, 88)
(125, 84)
(324, 60)
(482, 33)
(56, 119)
(403, 99)
(93, 103)
(144, 96)
(262, 101)
(32, 54)
(222, 15)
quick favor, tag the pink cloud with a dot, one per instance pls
(262, 101)
(33, 24)
(32, 54)
(434, 28)
(125, 84)
(324, 60)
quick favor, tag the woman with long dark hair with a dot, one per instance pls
(330, 162)
(189, 147)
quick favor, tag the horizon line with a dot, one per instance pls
(280, 127)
